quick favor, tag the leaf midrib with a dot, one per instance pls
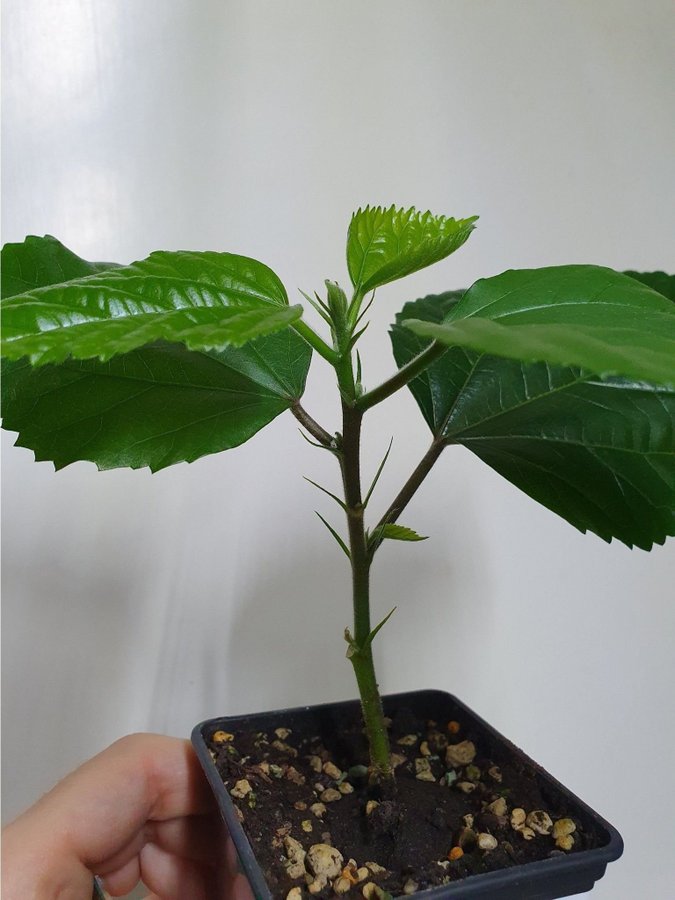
(583, 379)
(32, 298)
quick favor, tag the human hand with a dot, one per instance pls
(140, 810)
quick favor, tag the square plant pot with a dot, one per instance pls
(476, 874)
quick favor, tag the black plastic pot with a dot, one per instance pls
(560, 876)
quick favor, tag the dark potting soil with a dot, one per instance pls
(463, 805)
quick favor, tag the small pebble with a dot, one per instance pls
(425, 775)
(563, 827)
(342, 885)
(410, 887)
(565, 842)
(349, 872)
(295, 853)
(450, 777)
(277, 771)
(397, 759)
(371, 891)
(409, 740)
(295, 893)
(241, 789)
(362, 873)
(306, 826)
(518, 816)
(539, 821)
(487, 841)
(284, 748)
(424, 749)
(455, 853)
(332, 770)
(300, 805)
(282, 733)
(319, 787)
(294, 849)
(495, 773)
(370, 806)
(526, 832)
(466, 787)
(345, 788)
(453, 727)
(375, 868)
(422, 764)
(315, 763)
(293, 775)
(460, 754)
(498, 807)
(468, 820)
(330, 795)
(324, 861)
(318, 809)
(222, 737)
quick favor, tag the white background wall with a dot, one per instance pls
(134, 601)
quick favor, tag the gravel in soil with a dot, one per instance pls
(460, 807)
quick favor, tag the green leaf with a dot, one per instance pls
(157, 405)
(386, 244)
(601, 454)
(395, 532)
(203, 300)
(658, 281)
(584, 316)
(39, 261)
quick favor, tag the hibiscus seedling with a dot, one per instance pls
(561, 379)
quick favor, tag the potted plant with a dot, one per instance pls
(562, 379)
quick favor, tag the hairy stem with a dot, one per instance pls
(313, 339)
(361, 647)
(405, 374)
(309, 424)
(407, 492)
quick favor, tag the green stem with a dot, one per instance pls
(405, 374)
(373, 716)
(362, 655)
(313, 339)
(406, 493)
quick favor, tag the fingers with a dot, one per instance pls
(118, 815)
(99, 809)
(194, 837)
(173, 878)
(124, 879)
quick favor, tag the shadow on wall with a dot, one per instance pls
(286, 639)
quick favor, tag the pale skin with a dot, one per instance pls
(140, 810)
